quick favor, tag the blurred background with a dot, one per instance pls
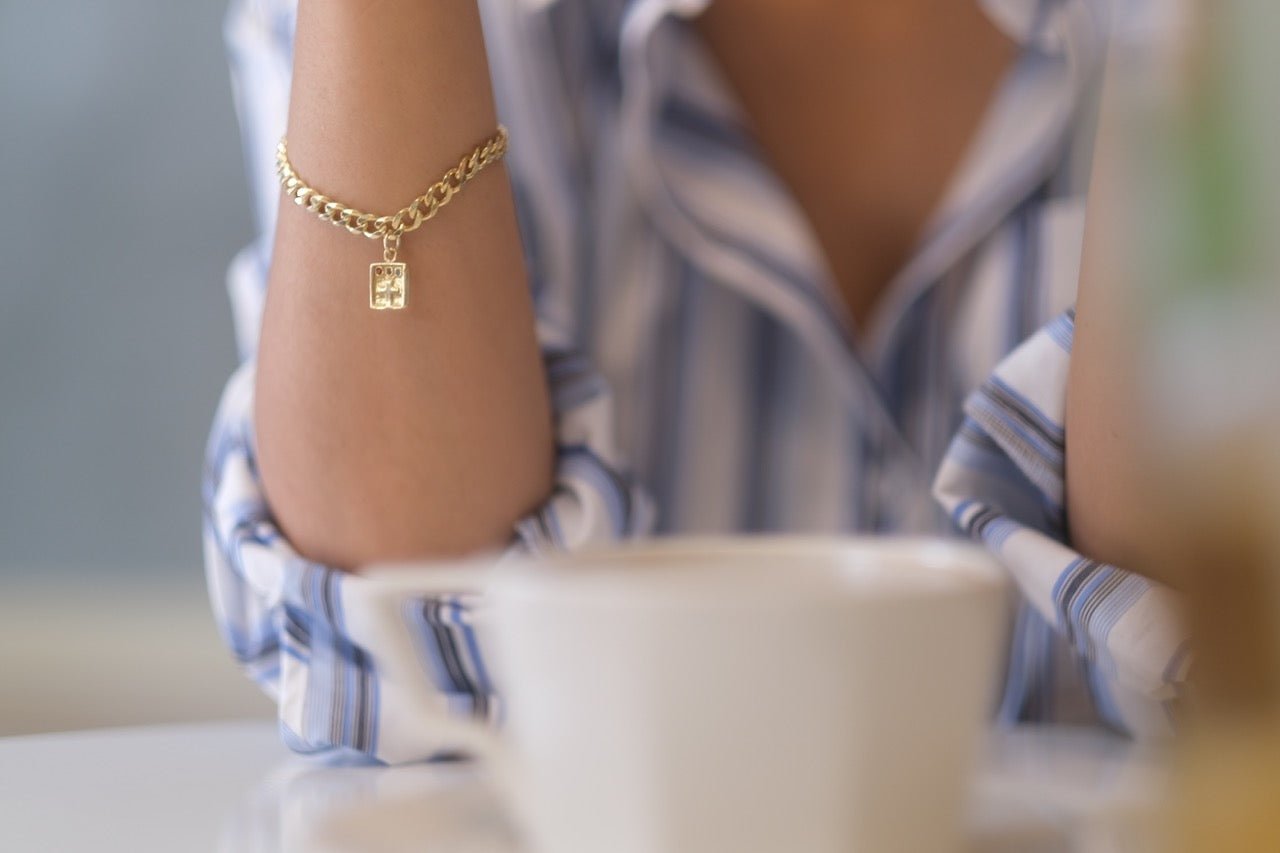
(123, 202)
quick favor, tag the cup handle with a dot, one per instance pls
(492, 753)
(382, 593)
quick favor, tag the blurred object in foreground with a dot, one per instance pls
(1208, 266)
(1199, 119)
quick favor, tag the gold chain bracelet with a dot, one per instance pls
(389, 280)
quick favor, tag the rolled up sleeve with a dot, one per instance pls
(1092, 640)
(363, 664)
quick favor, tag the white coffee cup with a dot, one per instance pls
(746, 695)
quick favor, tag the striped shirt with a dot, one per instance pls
(705, 375)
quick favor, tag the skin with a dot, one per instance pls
(1105, 491)
(867, 157)
(1112, 508)
(428, 433)
(384, 436)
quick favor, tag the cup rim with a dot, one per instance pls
(856, 568)
(966, 565)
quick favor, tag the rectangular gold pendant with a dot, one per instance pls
(388, 286)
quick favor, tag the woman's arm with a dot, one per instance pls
(422, 432)
(1110, 507)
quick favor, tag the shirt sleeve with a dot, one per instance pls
(361, 665)
(1086, 629)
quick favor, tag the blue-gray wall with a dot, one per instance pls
(121, 201)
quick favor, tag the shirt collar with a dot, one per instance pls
(1026, 21)
(696, 170)
(1020, 141)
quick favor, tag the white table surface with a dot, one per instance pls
(233, 787)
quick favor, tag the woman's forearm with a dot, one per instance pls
(1109, 498)
(425, 431)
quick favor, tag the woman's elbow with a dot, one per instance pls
(349, 503)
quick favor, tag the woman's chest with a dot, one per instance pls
(734, 414)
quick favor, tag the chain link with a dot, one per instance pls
(390, 245)
(409, 218)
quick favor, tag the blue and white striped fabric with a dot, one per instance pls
(1003, 482)
(704, 373)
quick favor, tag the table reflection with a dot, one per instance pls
(1041, 790)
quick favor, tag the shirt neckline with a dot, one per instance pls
(1017, 143)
